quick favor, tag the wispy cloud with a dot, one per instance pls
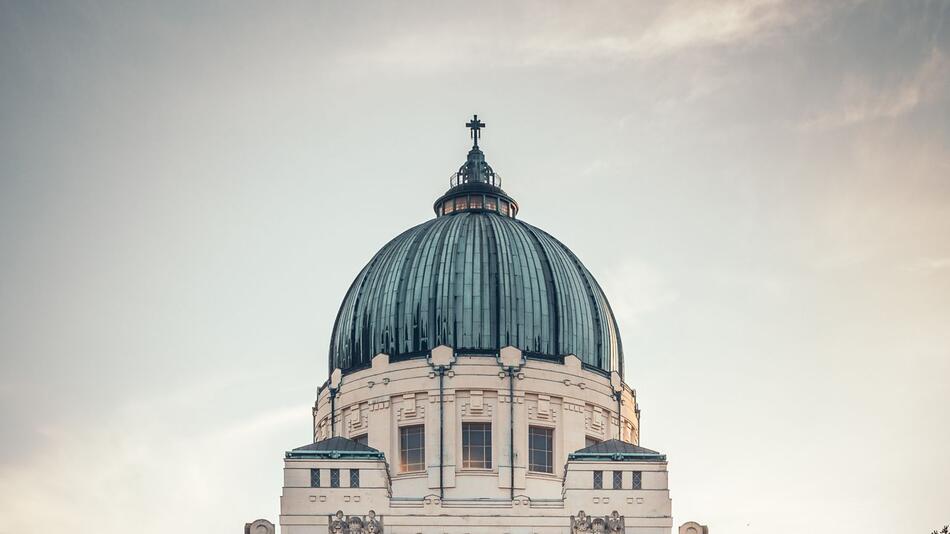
(609, 31)
(636, 289)
(860, 101)
(138, 467)
(681, 26)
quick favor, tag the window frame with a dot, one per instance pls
(403, 457)
(334, 478)
(354, 477)
(488, 464)
(550, 452)
(618, 480)
(637, 480)
(314, 477)
(598, 482)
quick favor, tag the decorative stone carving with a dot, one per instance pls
(354, 524)
(260, 526)
(409, 408)
(598, 526)
(580, 524)
(615, 523)
(610, 524)
(338, 523)
(373, 526)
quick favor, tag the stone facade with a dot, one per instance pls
(511, 394)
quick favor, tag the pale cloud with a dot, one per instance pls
(685, 25)
(606, 31)
(861, 101)
(931, 265)
(137, 470)
(636, 289)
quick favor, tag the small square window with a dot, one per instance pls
(618, 479)
(476, 201)
(334, 478)
(637, 480)
(461, 203)
(354, 478)
(590, 442)
(490, 204)
(362, 439)
(598, 480)
(448, 207)
(314, 478)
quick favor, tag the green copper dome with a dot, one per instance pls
(477, 279)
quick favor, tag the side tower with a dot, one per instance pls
(476, 387)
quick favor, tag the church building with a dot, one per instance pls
(476, 387)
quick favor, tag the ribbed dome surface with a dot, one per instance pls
(476, 281)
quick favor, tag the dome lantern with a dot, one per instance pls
(475, 186)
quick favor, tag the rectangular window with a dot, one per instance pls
(476, 445)
(314, 478)
(354, 478)
(334, 478)
(476, 201)
(490, 204)
(448, 207)
(618, 479)
(461, 203)
(503, 207)
(637, 480)
(598, 480)
(589, 441)
(412, 448)
(540, 449)
(362, 439)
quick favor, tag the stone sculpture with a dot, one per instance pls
(615, 523)
(581, 524)
(355, 524)
(608, 524)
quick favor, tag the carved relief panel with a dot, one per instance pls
(409, 407)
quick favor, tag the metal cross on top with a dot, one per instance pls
(475, 125)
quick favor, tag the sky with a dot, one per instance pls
(762, 187)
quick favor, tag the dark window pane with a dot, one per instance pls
(476, 445)
(589, 441)
(362, 439)
(618, 479)
(412, 443)
(354, 478)
(334, 478)
(598, 480)
(637, 480)
(314, 478)
(540, 449)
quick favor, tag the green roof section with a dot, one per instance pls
(336, 448)
(616, 451)
(476, 281)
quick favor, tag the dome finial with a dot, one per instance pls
(475, 125)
